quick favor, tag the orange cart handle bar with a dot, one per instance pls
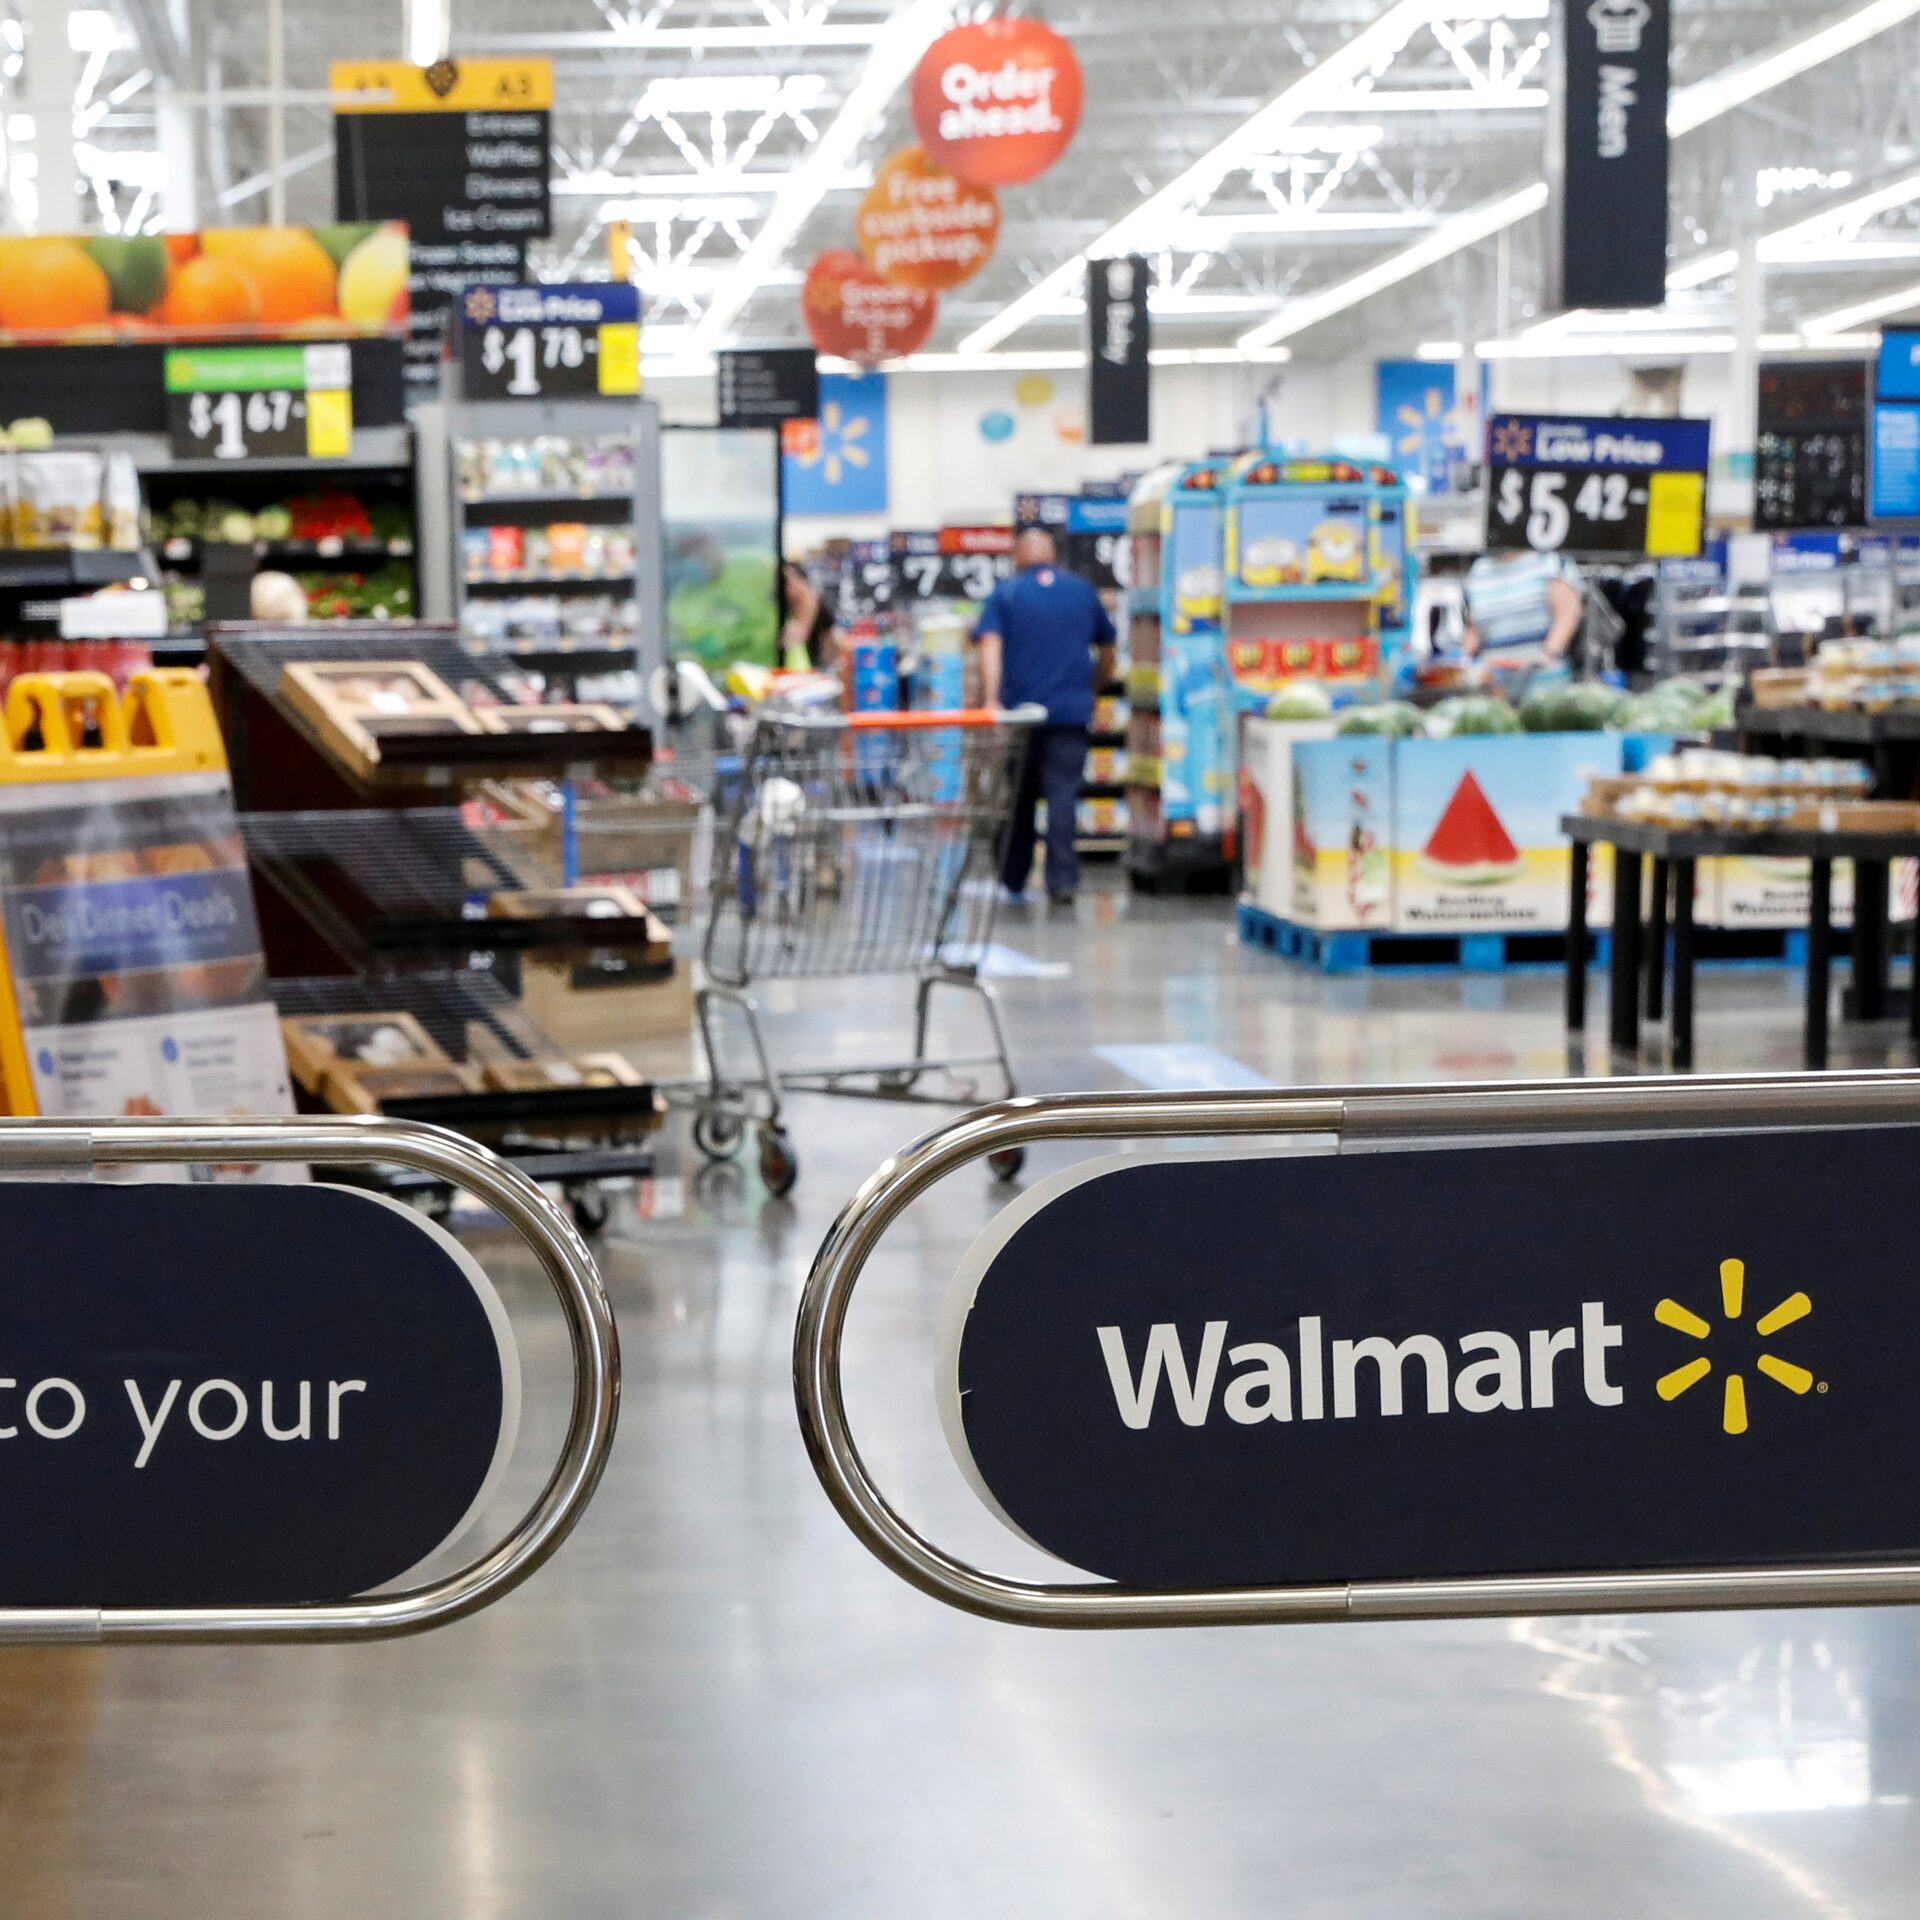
(921, 720)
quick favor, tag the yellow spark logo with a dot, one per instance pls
(1733, 1281)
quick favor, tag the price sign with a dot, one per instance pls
(1596, 486)
(917, 567)
(867, 581)
(260, 403)
(1096, 545)
(550, 342)
(972, 561)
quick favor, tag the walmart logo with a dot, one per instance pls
(1733, 1409)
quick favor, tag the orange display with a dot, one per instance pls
(921, 227)
(219, 282)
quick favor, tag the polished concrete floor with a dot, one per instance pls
(714, 1706)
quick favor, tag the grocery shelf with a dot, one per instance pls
(558, 661)
(543, 581)
(602, 496)
(380, 885)
(48, 569)
(330, 551)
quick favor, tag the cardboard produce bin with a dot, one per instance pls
(1341, 826)
(597, 1005)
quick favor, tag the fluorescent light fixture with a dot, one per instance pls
(1824, 325)
(1447, 238)
(1440, 100)
(1440, 350)
(1703, 269)
(91, 31)
(1149, 223)
(1585, 346)
(429, 31)
(897, 48)
(1720, 93)
(1691, 107)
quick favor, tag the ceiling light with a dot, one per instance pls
(1880, 308)
(897, 48)
(1440, 350)
(1449, 237)
(429, 31)
(1707, 267)
(91, 31)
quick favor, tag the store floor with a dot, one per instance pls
(715, 1706)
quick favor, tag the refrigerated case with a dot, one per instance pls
(722, 531)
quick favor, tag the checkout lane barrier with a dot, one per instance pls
(1359, 1120)
(61, 1150)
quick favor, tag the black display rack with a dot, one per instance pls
(572, 1137)
(388, 887)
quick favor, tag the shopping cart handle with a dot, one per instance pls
(920, 719)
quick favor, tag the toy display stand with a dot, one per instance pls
(376, 893)
(1180, 721)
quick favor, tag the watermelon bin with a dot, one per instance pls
(1476, 845)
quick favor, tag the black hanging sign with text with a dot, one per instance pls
(1607, 155)
(766, 386)
(1119, 372)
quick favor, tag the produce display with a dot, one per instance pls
(1392, 720)
(1471, 713)
(1870, 676)
(1576, 706)
(334, 513)
(384, 594)
(1572, 706)
(1676, 706)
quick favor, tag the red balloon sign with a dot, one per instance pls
(920, 227)
(997, 102)
(852, 312)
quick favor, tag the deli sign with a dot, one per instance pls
(1200, 1371)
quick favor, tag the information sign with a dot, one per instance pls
(1243, 1371)
(174, 1432)
(260, 403)
(551, 342)
(767, 386)
(1600, 486)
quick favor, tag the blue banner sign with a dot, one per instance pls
(1258, 1370)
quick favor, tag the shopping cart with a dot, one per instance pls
(848, 845)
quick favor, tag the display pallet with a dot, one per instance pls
(1357, 950)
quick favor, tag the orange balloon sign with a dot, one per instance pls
(852, 312)
(997, 102)
(920, 227)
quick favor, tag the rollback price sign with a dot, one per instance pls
(1565, 483)
(1208, 1372)
(216, 1396)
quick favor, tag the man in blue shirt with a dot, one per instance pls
(1043, 638)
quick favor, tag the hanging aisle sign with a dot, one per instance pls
(551, 342)
(1222, 1372)
(1557, 483)
(1119, 367)
(260, 403)
(174, 1433)
(1607, 155)
(766, 386)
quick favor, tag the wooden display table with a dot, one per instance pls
(1674, 851)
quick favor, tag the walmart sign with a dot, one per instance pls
(1594, 1357)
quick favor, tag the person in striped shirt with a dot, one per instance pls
(1523, 605)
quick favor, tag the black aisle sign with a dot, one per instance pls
(1607, 155)
(239, 1395)
(766, 386)
(1565, 483)
(1119, 372)
(1453, 1363)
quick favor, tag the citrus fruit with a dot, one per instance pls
(210, 292)
(341, 239)
(136, 267)
(51, 285)
(373, 279)
(181, 246)
(293, 271)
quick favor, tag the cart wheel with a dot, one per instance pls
(1006, 1164)
(718, 1133)
(590, 1209)
(779, 1164)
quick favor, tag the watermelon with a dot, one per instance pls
(1471, 713)
(1570, 706)
(1394, 719)
(1300, 700)
(1470, 845)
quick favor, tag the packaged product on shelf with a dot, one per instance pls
(476, 551)
(567, 547)
(316, 1043)
(57, 498)
(121, 499)
(506, 550)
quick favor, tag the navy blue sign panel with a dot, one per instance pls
(225, 1395)
(1616, 487)
(1599, 1357)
